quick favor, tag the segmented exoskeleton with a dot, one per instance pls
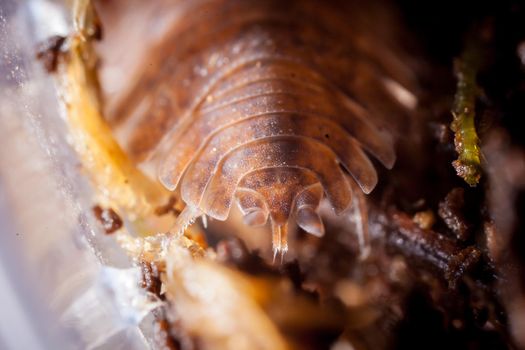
(267, 104)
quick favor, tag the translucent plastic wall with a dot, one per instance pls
(54, 262)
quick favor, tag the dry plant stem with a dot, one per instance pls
(464, 112)
(112, 171)
(432, 249)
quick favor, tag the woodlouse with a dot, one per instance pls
(267, 104)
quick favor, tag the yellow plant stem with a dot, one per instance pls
(464, 111)
(112, 171)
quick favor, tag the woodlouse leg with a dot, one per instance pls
(359, 214)
(185, 219)
(204, 219)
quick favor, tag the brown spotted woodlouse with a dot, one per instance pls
(270, 105)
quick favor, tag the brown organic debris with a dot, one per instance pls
(49, 51)
(110, 220)
(451, 211)
(432, 249)
(150, 277)
(425, 219)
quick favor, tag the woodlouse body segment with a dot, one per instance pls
(267, 104)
